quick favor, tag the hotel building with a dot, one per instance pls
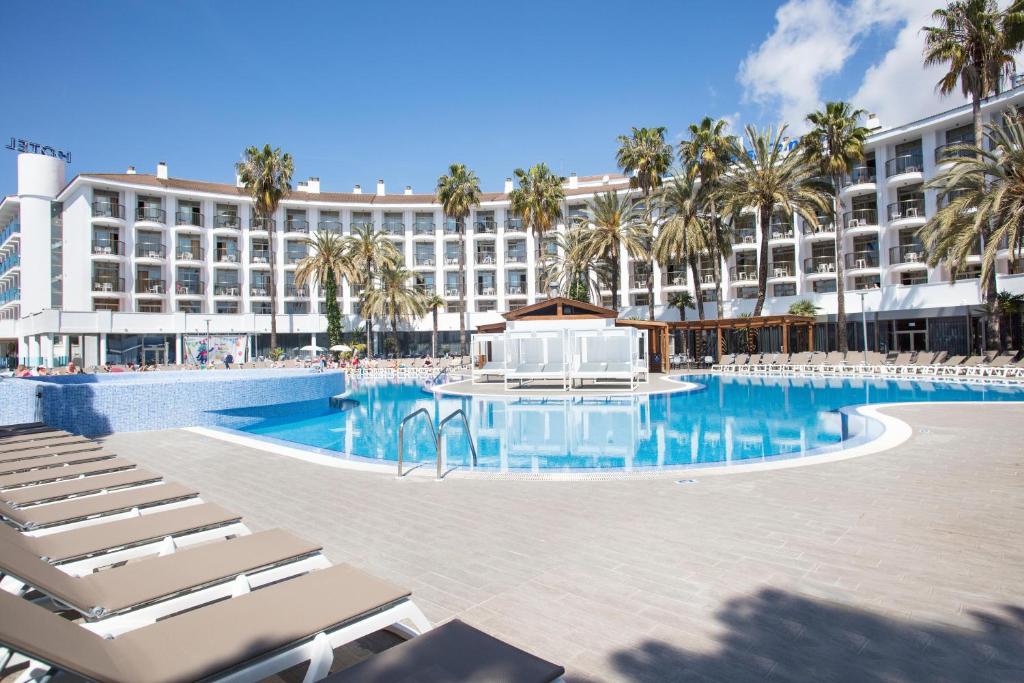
(118, 266)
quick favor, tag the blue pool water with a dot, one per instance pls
(730, 420)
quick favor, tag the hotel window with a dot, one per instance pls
(969, 272)
(485, 253)
(515, 251)
(190, 247)
(226, 250)
(484, 222)
(56, 255)
(746, 293)
(295, 220)
(516, 283)
(454, 306)
(451, 253)
(261, 307)
(575, 213)
(914, 277)
(259, 250)
(452, 283)
(393, 224)
(149, 245)
(295, 252)
(424, 283)
(515, 305)
(486, 305)
(708, 295)
(640, 299)
(148, 208)
(784, 289)
(424, 224)
(824, 286)
(296, 307)
(330, 221)
(107, 204)
(361, 219)
(606, 301)
(107, 277)
(865, 282)
(424, 254)
(151, 307)
(485, 284)
(189, 213)
(226, 216)
(227, 306)
(188, 281)
(190, 306)
(106, 305)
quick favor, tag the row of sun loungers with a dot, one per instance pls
(923, 364)
(110, 573)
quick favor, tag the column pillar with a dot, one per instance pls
(103, 349)
(177, 348)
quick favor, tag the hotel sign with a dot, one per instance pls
(19, 145)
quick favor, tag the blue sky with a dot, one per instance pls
(398, 90)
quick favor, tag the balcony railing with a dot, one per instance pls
(189, 252)
(227, 256)
(673, 278)
(451, 228)
(780, 230)
(451, 259)
(907, 253)
(860, 175)
(363, 225)
(108, 210)
(331, 226)
(189, 287)
(422, 228)
(907, 163)
(293, 290)
(9, 295)
(189, 218)
(485, 227)
(820, 264)
(908, 208)
(707, 276)
(859, 218)
(293, 257)
(9, 263)
(515, 257)
(742, 273)
(862, 259)
(825, 226)
(227, 289)
(424, 260)
(451, 291)
(144, 250)
(515, 289)
(9, 231)
(514, 224)
(948, 152)
(267, 224)
(393, 227)
(152, 214)
(296, 225)
(150, 287)
(259, 289)
(108, 247)
(781, 269)
(485, 290)
(107, 284)
(259, 256)
(745, 236)
(486, 258)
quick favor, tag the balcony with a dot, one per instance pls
(148, 286)
(9, 264)
(9, 295)
(423, 228)
(227, 256)
(486, 258)
(781, 269)
(259, 256)
(144, 250)
(189, 288)
(745, 237)
(227, 289)
(393, 228)
(485, 290)
(673, 278)
(108, 210)
(907, 254)
(102, 284)
(909, 165)
(861, 218)
(948, 153)
(150, 214)
(107, 247)
(299, 225)
(485, 227)
(515, 257)
(515, 289)
(451, 291)
(707, 277)
(820, 265)
(740, 274)
(192, 252)
(263, 224)
(260, 289)
(639, 281)
(860, 177)
(9, 232)
(451, 227)
(331, 226)
(451, 259)
(296, 291)
(362, 225)
(859, 260)
(514, 225)
(193, 218)
(907, 210)
(293, 257)
(229, 221)
(826, 227)
(424, 261)
(780, 230)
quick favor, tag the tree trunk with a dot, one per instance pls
(696, 284)
(334, 328)
(271, 229)
(433, 337)
(615, 278)
(990, 291)
(394, 334)
(837, 207)
(462, 286)
(650, 292)
(716, 256)
(366, 314)
(762, 259)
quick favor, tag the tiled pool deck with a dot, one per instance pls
(902, 566)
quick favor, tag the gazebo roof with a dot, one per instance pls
(560, 307)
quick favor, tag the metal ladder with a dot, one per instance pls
(438, 434)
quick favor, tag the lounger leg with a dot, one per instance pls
(320, 660)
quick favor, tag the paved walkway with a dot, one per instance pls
(900, 566)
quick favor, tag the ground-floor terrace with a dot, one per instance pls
(905, 565)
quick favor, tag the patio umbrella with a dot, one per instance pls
(341, 347)
(311, 348)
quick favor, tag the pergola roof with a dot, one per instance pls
(742, 323)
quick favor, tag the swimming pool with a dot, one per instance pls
(728, 420)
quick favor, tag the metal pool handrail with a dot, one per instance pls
(439, 445)
(401, 437)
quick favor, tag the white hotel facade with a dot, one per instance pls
(118, 266)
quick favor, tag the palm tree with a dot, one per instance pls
(266, 174)
(325, 265)
(804, 307)
(706, 155)
(983, 195)
(573, 270)
(395, 298)
(613, 224)
(834, 143)
(766, 178)
(645, 156)
(432, 303)
(537, 199)
(682, 300)
(458, 192)
(367, 251)
(686, 234)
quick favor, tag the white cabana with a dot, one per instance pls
(540, 355)
(607, 354)
(488, 354)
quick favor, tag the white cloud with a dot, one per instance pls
(813, 39)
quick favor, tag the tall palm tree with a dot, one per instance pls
(573, 270)
(613, 225)
(367, 251)
(266, 174)
(537, 199)
(645, 156)
(706, 155)
(395, 298)
(766, 178)
(686, 234)
(458, 192)
(682, 300)
(325, 265)
(433, 303)
(834, 143)
(983, 194)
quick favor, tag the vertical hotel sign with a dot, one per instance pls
(19, 145)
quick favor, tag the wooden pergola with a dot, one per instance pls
(722, 326)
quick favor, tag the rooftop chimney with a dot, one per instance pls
(873, 123)
(301, 186)
(313, 186)
(161, 170)
(508, 185)
(131, 170)
(357, 190)
(573, 181)
(408, 189)
(605, 179)
(238, 180)
(380, 187)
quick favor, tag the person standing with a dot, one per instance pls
(228, 360)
